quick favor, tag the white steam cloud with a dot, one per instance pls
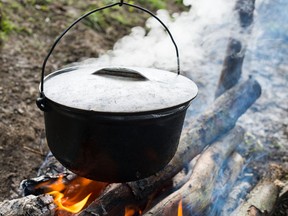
(202, 34)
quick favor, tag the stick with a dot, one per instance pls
(197, 192)
(216, 121)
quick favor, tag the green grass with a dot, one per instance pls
(6, 27)
(15, 15)
(125, 17)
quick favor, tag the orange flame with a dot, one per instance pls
(180, 208)
(77, 207)
(75, 195)
(132, 211)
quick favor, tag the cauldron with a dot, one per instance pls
(114, 124)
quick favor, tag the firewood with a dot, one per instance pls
(263, 196)
(237, 194)
(176, 183)
(204, 130)
(29, 205)
(235, 53)
(52, 167)
(196, 194)
(254, 211)
(182, 177)
(224, 183)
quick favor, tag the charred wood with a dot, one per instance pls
(29, 205)
(235, 53)
(196, 194)
(254, 211)
(245, 9)
(52, 167)
(281, 206)
(204, 130)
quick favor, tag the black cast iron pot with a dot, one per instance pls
(114, 124)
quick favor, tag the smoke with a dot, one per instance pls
(202, 34)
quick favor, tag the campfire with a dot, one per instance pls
(189, 185)
(71, 196)
(210, 173)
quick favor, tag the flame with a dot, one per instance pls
(180, 208)
(77, 207)
(74, 195)
(132, 211)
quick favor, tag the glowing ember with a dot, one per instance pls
(74, 195)
(132, 211)
(180, 208)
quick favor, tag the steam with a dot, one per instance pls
(194, 33)
(202, 35)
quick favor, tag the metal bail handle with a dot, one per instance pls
(41, 103)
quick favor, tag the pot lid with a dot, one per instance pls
(118, 89)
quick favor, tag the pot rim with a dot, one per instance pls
(50, 104)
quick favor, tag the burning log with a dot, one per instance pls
(216, 121)
(196, 194)
(29, 205)
(232, 67)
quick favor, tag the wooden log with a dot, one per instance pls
(245, 9)
(224, 183)
(237, 194)
(232, 66)
(182, 177)
(196, 194)
(29, 205)
(235, 53)
(264, 196)
(204, 130)
(176, 183)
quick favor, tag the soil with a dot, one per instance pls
(22, 137)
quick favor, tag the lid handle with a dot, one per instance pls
(120, 3)
(121, 72)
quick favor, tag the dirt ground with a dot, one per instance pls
(22, 137)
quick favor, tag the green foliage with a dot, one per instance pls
(6, 26)
(126, 17)
(154, 4)
(16, 15)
